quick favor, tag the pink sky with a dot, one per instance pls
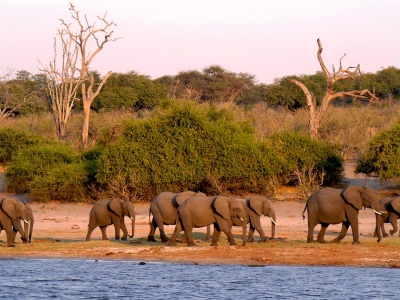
(268, 39)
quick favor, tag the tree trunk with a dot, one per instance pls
(85, 128)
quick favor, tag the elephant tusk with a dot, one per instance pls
(25, 221)
(132, 218)
(377, 212)
(241, 219)
(273, 221)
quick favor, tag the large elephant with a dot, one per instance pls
(255, 207)
(164, 208)
(334, 206)
(390, 208)
(199, 211)
(12, 212)
(111, 212)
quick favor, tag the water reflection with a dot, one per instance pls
(90, 279)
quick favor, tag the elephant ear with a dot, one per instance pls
(115, 206)
(9, 206)
(352, 196)
(256, 203)
(396, 205)
(222, 206)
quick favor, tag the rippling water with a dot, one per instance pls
(90, 279)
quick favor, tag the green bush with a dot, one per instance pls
(302, 154)
(205, 149)
(47, 172)
(189, 148)
(383, 155)
(12, 140)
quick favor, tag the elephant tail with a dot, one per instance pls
(304, 210)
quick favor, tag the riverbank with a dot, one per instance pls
(60, 231)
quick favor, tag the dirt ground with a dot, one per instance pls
(60, 231)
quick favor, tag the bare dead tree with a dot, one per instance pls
(10, 99)
(87, 35)
(63, 83)
(316, 114)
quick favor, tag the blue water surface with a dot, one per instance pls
(102, 279)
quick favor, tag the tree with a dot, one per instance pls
(15, 94)
(63, 83)
(76, 49)
(86, 34)
(316, 114)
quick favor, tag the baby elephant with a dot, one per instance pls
(111, 212)
(390, 208)
(255, 207)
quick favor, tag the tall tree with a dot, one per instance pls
(87, 35)
(317, 113)
(62, 83)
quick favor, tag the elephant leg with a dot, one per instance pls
(250, 237)
(393, 220)
(153, 227)
(384, 233)
(208, 234)
(103, 232)
(117, 228)
(91, 227)
(163, 236)
(124, 230)
(311, 226)
(216, 235)
(224, 226)
(178, 229)
(321, 234)
(343, 232)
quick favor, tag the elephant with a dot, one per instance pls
(200, 210)
(111, 211)
(390, 208)
(12, 212)
(333, 206)
(255, 206)
(164, 207)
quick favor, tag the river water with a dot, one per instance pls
(102, 279)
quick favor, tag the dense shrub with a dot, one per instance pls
(302, 155)
(47, 172)
(205, 149)
(189, 148)
(383, 155)
(12, 140)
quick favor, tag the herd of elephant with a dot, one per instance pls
(188, 210)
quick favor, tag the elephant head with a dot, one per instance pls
(14, 209)
(124, 208)
(262, 206)
(360, 196)
(232, 211)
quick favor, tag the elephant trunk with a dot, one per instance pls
(376, 208)
(378, 229)
(244, 227)
(273, 224)
(133, 226)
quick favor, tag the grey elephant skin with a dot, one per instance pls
(255, 207)
(11, 213)
(164, 208)
(390, 208)
(199, 211)
(111, 212)
(335, 206)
